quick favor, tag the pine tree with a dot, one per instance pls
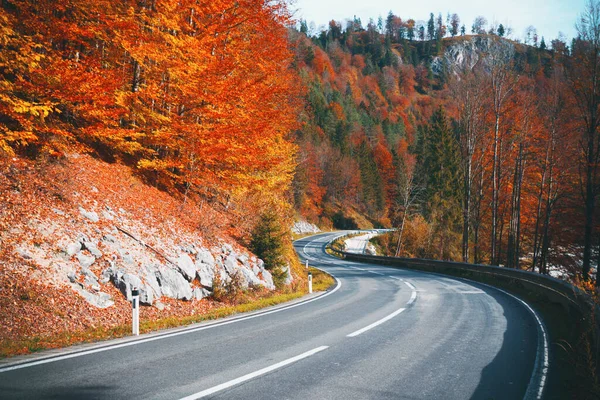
(268, 241)
(501, 30)
(442, 175)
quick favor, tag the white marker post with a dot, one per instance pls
(135, 303)
(309, 283)
(306, 264)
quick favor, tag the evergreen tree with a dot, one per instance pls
(463, 30)
(268, 241)
(303, 26)
(431, 27)
(441, 174)
(501, 30)
(543, 44)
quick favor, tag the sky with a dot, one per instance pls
(549, 17)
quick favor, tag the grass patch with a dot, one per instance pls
(244, 302)
(321, 280)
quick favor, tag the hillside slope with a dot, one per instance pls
(77, 234)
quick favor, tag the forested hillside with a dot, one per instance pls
(476, 147)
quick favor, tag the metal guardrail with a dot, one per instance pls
(580, 309)
(581, 312)
(536, 284)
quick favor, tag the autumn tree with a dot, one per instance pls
(502, 81)
(584, 77)
(470, 93)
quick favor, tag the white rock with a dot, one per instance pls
(73, 248)
(173, 284)
(301, 227)
(248, 278)
(200, 293)
(100, 299)
(150, 278)
(288, 275)
(108, 238)
(125, 282)
(186, 266)
(204, 256)
(85, 261)
(231, 264)
(205, 273)
(267, 279)
(92, 248)
(91, 215)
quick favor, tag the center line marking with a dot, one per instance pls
(374, 324)
(253, 375)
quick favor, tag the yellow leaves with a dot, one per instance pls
(35, 110)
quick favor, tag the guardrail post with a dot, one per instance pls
(135, 304)
(309, 282)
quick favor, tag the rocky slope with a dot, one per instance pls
(78, 234)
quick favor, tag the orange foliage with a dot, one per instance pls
(193, 93)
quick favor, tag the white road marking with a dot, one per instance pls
(375, 272)
(539, 375)
(252, 375)
(413, 297)
(376, 323)
(410, 285)
(51, 359)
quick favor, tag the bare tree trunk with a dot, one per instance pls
(466, 211)
(399, 244)
(477, 222)
(536, 234)
(495, 191)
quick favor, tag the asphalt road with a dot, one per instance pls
(381, 333)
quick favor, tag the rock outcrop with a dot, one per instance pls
(301, 227)
(464, 54)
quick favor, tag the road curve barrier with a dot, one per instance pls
(579, 308)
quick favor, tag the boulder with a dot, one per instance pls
(73, 248)
(267, 279)
(146, 295)
(200, 293)
(288, 275)
(231, 264)
(149, 277)
(186, 266)
(173, 284)
(92, 248)
(100, 299)
(89, 277)
(248, 278)
(125, 282)
(85, 261)
(301, 227)
(205, 274)
(108, 273)
(204, 256)
(91, 215)
(243, 259)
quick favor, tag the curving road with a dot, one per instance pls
(381, 333)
